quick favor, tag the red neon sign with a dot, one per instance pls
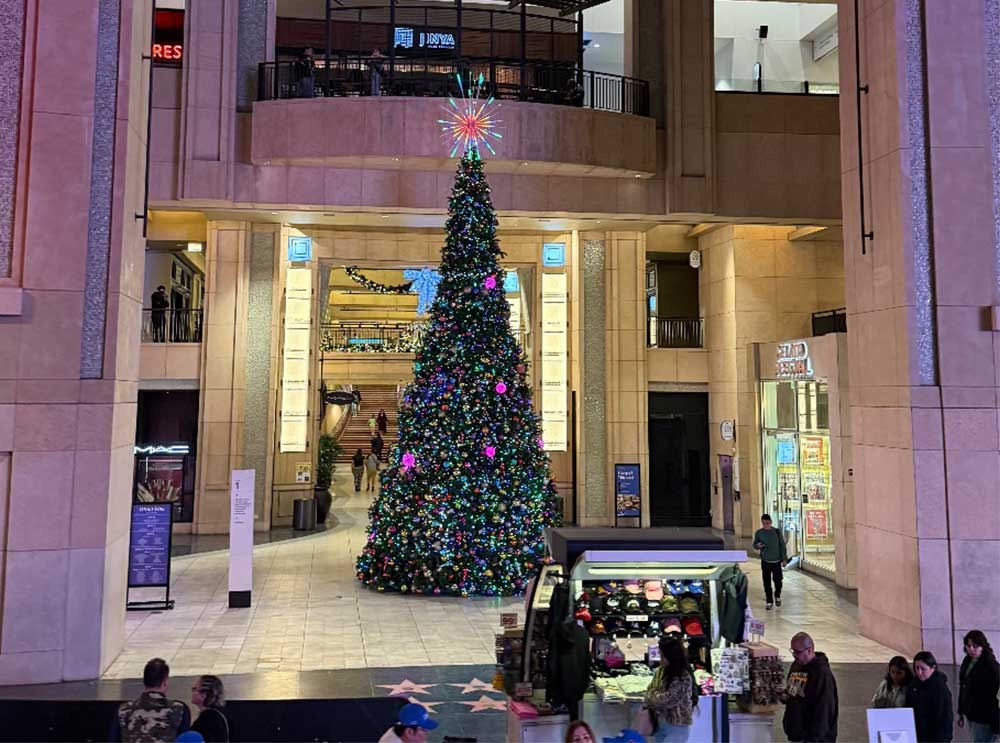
(168, 52)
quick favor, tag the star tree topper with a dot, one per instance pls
(470, 123)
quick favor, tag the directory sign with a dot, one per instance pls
(627, 499)
(149, 545)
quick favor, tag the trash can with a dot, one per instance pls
(304, 514)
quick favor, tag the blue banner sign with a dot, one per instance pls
(149, 545)
(627, 498)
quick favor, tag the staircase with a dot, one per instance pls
(356, 434)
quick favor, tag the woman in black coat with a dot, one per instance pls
(208, 695)
(930, 699)
(979, 682)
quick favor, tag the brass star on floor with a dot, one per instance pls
(485, 703)
(405, 688)
(476, 685)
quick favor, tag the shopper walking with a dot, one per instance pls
(930, 699)
(372, 424)
(378, 445)
(383, 421)
(358, 469)
(892, 691)
(356, 394)
(979, 683)
(770, 544)
(152, 717)
(160, 305)
(671, 694)
(209, 696)
(811, 701)
(412, 727)
(371, 472)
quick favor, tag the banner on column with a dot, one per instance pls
(241, 488)
(555, 348)
(295, 360)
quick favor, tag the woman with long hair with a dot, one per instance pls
(580, 732)
(208, 695)
(892, 691)
(979, 682)
(930, 699)
(670, 696)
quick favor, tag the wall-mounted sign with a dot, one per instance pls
(727, 430)
(793, 361)
(168, 52)
(511, 285)
(338, 397)
(554, 255)
(555, 364)
(162, 449)
(300, 248)
(628, 503)
(406, 38)
(303, 472)
(694, 259)
(295, 359)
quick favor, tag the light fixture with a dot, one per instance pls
(194, 247)
(638, 175)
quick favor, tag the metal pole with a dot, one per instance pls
(865, 235)
(392, 43)
(326, 57)
(524, 48)
(458, 30)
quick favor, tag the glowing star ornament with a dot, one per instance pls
(470, 123)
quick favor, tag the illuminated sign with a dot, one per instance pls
(162, 449)
(554, 254)
(168, 52)
(793, 361)
(404, 37)
(510, 283)
(300, 249)
(555, 361)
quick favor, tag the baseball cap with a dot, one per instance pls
(627, 736)
(582, 613)
(416, 716)
(692, 626)
(671, 626)
(633, 605)
(632, 586)
(669, 603)
(654, 590)
(190, 736)
(689, 605)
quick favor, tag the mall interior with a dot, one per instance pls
(759, 264)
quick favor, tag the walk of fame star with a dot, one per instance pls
(405, 688)
(476, 685)
(485, 703)
(429, 706)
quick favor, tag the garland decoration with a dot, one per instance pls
(355, 275)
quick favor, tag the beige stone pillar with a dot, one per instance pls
(922, 344)
(220, 429)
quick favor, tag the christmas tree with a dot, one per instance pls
(467, 492)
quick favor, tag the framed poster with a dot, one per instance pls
(628, 503)
(817, 523)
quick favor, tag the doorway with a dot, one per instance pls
(679, 459)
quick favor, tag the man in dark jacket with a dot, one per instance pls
(569, 666)
(811, 701)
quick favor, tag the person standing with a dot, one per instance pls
(372, 424)
(209, 696)
(356, 394)
(383, 421)
(358, 469)
(770, 544)
(160, 305)
(378, 445)
(930, 699)
(375, 69)
(371, 472)
(306, 74)
(892, 691)
(670, 696)
(979, 683)
(152, 717)
(810, 697)
(412, 727)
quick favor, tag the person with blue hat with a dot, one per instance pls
(413, 726)
(627, 736)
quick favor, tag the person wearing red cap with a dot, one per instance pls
(414, 723)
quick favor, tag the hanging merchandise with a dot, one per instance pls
(355, 275)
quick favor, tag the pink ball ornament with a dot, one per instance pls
(408, 461)
(490, 451)
(501, 388)
(541, 442)
(490, 283)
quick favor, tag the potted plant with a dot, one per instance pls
(329, 450)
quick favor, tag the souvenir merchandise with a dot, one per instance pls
(767, 678)
(692, 627)
(583, 614)
(669, 605)
(689, 605)
(654, 590)
(633, 586)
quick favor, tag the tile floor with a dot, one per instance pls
(310, 613)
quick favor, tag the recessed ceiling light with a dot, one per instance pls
(525, 162)
(638, 175)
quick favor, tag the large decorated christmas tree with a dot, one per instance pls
(467, 492)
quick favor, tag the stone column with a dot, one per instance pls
(223, 373)
(923, 352)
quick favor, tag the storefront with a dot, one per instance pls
(803, 440)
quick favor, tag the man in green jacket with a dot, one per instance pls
(773, 557)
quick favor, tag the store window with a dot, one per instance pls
(797, 471)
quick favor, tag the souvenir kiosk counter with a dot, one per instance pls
(628, 589)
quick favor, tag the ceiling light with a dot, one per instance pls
(274, 212)
(194, 247)
(525, 162)
(638, 175)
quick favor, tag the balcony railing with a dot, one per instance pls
(558, 84)
(371, 337)
(171, 326)
(679, 332)
(829, 321)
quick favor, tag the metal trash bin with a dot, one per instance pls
(304, 514)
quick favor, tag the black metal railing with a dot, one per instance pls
(558, 84)
(371, 337)
(171, 326)
(829, 321)
(679, 332)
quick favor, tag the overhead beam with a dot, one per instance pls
(809, 232)
(703, 229)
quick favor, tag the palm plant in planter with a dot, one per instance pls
(329, 450)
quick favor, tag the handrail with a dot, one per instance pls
(679, 332)
(171, 325)
(551, 83)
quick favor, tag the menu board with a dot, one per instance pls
(149, 545)
(555, 358)
(627, 499)
(295, 360)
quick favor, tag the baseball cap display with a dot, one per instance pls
(416, 716)
(633, 586)
(676, 587)
(692, 626)
(654, 590)
(612, 603)
(672, 626)
(632, 605)
(582, 613)
(696, 587)
(654, 629)
(689, 605)
(669, 604)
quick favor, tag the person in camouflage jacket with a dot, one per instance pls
(152, 717)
